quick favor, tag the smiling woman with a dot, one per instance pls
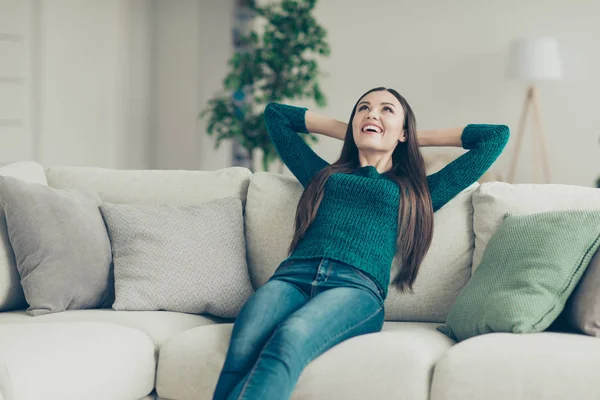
(395, 160)
(352, 219)
(394, 155)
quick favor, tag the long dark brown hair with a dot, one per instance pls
(415, 216)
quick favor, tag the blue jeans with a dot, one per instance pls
(306, 308)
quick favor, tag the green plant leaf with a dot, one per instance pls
(277, 65)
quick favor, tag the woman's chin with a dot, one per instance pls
(368, 147)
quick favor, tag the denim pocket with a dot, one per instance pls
(370, 281)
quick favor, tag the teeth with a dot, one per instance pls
(376, 129)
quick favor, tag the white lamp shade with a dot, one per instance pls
(535, 59)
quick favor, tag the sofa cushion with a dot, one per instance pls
(75, 360)
(158, 325)
(270, 213)
(179, 258)
(536, 366)
(399, 359)
(270, 217)
(494, 199)
(11, 292)
(153, 186)
(60, 244)
(582, 311)
(529, 269)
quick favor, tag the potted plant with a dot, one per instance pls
(277, 65)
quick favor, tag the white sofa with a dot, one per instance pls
(130, 355)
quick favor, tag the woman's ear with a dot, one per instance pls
(402, 137)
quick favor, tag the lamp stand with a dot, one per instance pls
(532, 99)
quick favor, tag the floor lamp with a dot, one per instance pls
(533, 60)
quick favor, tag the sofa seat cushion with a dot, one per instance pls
(500, 366)
(158, 325)
(399, 359)
(75, 360)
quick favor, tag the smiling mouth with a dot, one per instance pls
(371, 130)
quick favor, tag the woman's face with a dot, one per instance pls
(378, 122)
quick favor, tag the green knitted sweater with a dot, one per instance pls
(356, 222)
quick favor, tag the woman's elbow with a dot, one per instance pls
(501, 133)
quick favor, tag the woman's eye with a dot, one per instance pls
(361, 108)
(388, 108)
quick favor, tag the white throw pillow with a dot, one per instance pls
(11, 292)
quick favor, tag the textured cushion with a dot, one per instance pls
(270, 215)
(153, 186)
(529, 269)
(11, 292)
(494, 199)
(399, 361)
(60, 244)
(75, 360)
(537, 366)
(582, 311)
(158, 325)
(188, 259)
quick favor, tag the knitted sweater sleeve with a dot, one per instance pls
(485, 144)
(283, 123)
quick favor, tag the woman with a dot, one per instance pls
(351, 220)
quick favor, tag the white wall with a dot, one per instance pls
(192, 43)
(74, 82)
(94, 83)
(78, 76)
(449, 59)
(216, 47)
(111, 83)
(18, 128)
(120, 83)
(135, 86)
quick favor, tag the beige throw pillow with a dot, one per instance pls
(189, 259)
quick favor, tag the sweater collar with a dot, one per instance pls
(368, 171)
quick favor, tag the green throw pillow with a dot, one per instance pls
(528, 271)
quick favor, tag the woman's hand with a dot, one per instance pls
(317, 123)
(440, 137)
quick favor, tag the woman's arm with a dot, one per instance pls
(485, 144)
(323, 125)
(284, 122)
(441, 137)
